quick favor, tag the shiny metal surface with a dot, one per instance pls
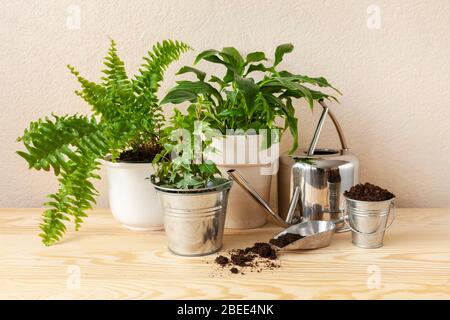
(317, 234)
(194, 220)
(290, 219)
(368, 221)
(322, 177)
(315, 139)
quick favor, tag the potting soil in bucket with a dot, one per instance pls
(368, 208)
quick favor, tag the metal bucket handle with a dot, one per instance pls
(342, 219)
(391, 208)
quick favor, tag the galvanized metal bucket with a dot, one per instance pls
(194, 219)
(368, 221)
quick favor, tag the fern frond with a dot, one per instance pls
(74, 197)
(50, 143)
(129, 116)
(116, 80)
(96, 96)
(147, 82)
(156, 62)
(70, 145)
(115, 67)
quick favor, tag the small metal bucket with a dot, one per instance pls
(194, 219)
(368, 221)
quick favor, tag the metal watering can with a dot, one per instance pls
(322, 175)
(310, 190)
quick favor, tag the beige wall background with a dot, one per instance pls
(395, 75)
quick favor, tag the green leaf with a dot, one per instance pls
(200, 74)
(256, 67)
(231, 113)
(234, 59)
(29, 158)
(189, 91)
(281, 50)
(255, 57)
(317, 95)
(208, 168)
(319, 81)
(287, 83)
(209, 55)
(193, 88)
(249, 89)
(229, 76)
(188, 181)
(179, 96)
(217, 80)
(288, 112)
(291, 123)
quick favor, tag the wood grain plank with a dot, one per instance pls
(115, 263)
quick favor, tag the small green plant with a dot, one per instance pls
(238, 101)
(127, 119)
(182, 164)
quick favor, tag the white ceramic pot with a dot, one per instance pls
(132, 198)
(256, 166)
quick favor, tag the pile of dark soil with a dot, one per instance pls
(242, 259)
(222, 261)
(285, 239)
(368, 192)
(261, 249)
(258, 257)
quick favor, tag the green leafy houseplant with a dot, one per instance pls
(192, 194)
(182, 163)
(238, 101)
(126, 124)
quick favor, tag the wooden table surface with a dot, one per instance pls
(105, 261)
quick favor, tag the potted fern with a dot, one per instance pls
(244, 105)
(123, 132)
(192, 192)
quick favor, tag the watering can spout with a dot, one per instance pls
(240, 180)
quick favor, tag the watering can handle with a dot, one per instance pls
(336, 125)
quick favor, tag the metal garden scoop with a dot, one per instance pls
(315, 233)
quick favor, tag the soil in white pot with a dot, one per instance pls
(141, 155)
